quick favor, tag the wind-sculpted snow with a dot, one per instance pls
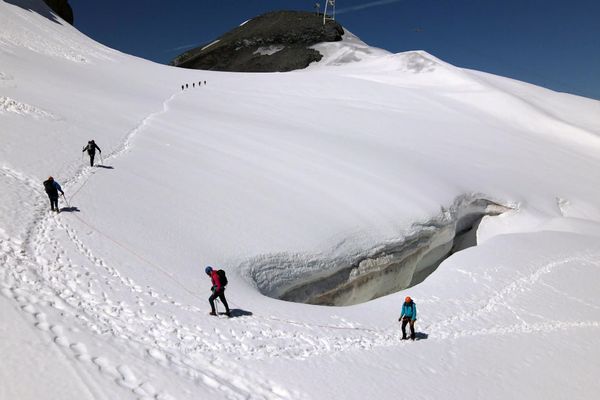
(350, 50)
(8, 105)
(6, 80)
(417, 63)
(354, 53)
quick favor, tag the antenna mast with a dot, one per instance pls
(332, 4)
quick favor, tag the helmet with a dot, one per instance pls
(407, 299)
(208, 269)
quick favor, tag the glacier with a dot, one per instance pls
(284, 180)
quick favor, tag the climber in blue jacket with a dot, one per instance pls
(408, 315)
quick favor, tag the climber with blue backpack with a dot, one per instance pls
(408, 315)
(219, 281)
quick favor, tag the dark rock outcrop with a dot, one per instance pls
(62, 8)
(274, 42)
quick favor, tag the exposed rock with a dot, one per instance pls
(62, 8)
(274, 42)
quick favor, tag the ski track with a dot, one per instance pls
(53, 291)
(506, 296)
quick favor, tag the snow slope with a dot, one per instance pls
(281, 178)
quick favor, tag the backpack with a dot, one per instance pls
(412, 309)
(49, 186)
(222, 277)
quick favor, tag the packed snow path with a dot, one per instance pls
(40, 274)
(68, 294)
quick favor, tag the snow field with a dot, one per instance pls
(108, 299)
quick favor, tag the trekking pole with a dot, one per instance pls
(67, 201)
(101, 160)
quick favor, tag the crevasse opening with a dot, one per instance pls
(386, 269)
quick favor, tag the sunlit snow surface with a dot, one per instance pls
(108, 298)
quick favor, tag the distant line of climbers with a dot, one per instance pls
(186, 85)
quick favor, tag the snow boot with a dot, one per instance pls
(212, 313)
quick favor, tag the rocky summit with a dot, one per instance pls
(274, 42)
(62, 8)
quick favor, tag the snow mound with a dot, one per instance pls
(415, 62)
(6, 80)
(8, 105)
(347, 51)
(5, 77)
(351, 51)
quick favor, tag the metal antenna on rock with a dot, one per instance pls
(332, 4)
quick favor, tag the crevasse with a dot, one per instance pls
(384, 269)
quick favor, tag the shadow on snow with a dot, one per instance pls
(236, 312)
(36, 7)
(70, 209)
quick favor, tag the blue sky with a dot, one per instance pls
(551, 43)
